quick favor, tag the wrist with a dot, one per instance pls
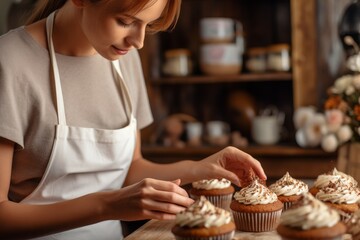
(191, 173)
(103, 205)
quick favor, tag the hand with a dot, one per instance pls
(148, 199)
(232, 164)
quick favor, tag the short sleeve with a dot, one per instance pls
(13, 104)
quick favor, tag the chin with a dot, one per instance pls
(109, 56)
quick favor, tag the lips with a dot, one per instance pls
(120, 51)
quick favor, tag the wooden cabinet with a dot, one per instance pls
(309, 27)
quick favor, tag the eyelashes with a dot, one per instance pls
(127, 24)
(123, 23)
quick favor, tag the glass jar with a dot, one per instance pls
(256, 61)
(278, 57)
(177, 62)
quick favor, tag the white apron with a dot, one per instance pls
(85, 160)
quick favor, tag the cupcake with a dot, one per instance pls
(340, 195)
(218, 192)
(256, 208)
(324, 179)
(310, 218)
(288, 190)
(203, 221)
(353, 226)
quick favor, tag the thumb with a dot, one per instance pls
(232, 177)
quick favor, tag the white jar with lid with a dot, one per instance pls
(177, 62)
(256, 59)
(278, 57)
(220, 59)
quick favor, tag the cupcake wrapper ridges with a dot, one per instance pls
(222, 201)
(256, 222)
(287, 205)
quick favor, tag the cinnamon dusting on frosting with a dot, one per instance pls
(212, 184)
(324, 180)
(339, 192)
(255, 193)
(288, 186)
(203, 214)
(309, 213)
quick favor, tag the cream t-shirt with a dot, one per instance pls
(27, 109)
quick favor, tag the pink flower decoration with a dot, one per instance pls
(334, 119)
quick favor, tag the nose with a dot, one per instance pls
(136, 38)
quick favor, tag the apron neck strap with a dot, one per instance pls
(125, 91)
(55, 71)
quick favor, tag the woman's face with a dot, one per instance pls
(113, 34)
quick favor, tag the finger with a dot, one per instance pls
(251, 162)
(177, 182)
(169, 197)
(232, 177)
(163, 207)
(166, 186)
(259, 171)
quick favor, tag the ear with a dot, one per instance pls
(78, 3)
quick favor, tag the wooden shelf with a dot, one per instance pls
(204, 79)
(255, 150)
(276, 160)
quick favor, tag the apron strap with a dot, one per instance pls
(58, 91)
(125, 91)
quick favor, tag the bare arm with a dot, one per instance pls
(23, 220)
(146, 199)
(230, 163)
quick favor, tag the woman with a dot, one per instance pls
(72, 103)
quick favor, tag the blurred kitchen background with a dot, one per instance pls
(233, 72)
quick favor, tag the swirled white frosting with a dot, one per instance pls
(203, 214)
(211, 184)
(255, 193)
(324, 179)
(309, 213)
(288, 186)
(339, 192)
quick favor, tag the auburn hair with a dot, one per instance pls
(167, 20)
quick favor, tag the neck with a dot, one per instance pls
(68, 36)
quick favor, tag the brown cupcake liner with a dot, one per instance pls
(227, 236)
(257, 222)
(221, 201)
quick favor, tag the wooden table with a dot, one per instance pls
(161, 230)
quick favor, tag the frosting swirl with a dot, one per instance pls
(288, 186)
(203, 214)
(255, 193)
(212, 184)
(338, 192)
(309, 213)
(324, 180)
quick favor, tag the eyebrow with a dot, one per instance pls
(132, 17)
(138, 19)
